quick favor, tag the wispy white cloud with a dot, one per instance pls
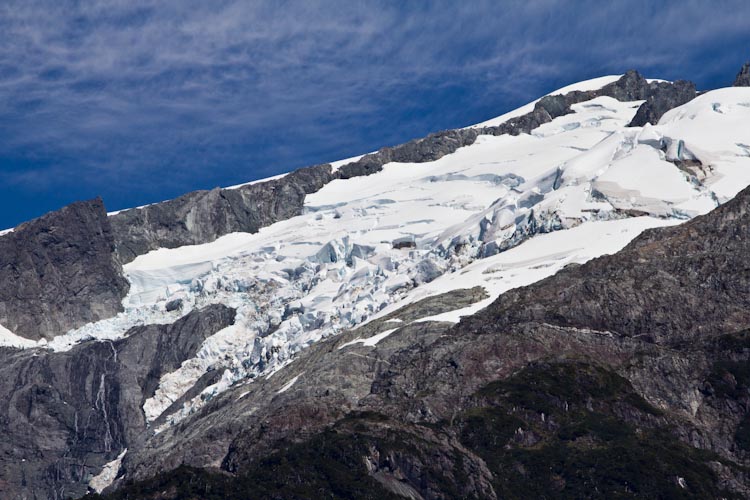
(111, 93)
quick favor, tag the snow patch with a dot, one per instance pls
(289, 384)
(10, 339)
(370, 341)
(108, 474)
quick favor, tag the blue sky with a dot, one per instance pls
(142, 100)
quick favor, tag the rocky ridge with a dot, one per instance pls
(202, 216)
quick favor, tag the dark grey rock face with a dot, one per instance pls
(59, 272)
(338, 378)
(662, 97)
(632, 86)
(430, 148)
(743, 77)
(203, 216)
(66, 414)
(173, 305)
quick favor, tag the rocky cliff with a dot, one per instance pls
(661, 97)
(202, 216)
(66, 414)
(59, 272)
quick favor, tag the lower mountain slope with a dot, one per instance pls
(64, 412)
(540, 395)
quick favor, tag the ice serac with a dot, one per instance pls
(202, 216)
(66, 414)
(59, 272)
(743, 77)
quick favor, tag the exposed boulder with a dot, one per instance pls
(59, 272)
(173, 305)
(632, 86)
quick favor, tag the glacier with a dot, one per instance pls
(502, 213)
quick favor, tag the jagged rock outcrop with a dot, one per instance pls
(743, 77)
(430, 148)
(68, 413)
(663, 97)
(202, 216)
(59, 272)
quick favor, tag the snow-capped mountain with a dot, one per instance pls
(368, 245)
(345, 248)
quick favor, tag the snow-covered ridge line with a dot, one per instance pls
(582, 86)
(207, 215)
(592, 84)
